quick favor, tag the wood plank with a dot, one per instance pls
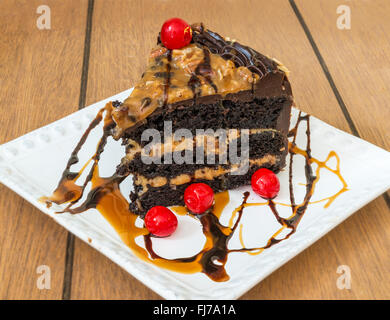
(358, 60)
(97, 277)
(122, 36)
(40, 73)
(360, 243)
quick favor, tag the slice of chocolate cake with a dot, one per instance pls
(214, 111)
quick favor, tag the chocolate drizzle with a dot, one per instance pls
(213, 259)
(241, 55)
(106, 197)
(168, 77)
(194, 83)
(67, 190)
(203, 69)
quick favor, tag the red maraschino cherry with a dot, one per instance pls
(160, 221)
(198, 197)
(175, 33)
(265, 183)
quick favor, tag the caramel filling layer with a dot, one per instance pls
(203, 173)
(210, 144)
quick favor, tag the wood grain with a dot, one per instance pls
(358, 59)
(40, 74)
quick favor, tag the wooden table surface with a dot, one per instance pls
(96, 48)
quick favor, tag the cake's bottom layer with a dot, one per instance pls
(164, 184)
(165, 193)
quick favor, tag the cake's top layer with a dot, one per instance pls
(209, 66)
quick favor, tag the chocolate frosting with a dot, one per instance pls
(241, 55)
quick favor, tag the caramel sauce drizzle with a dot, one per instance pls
(106, 197)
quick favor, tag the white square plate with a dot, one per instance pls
(32, 164)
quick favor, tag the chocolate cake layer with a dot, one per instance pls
(258, 113)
